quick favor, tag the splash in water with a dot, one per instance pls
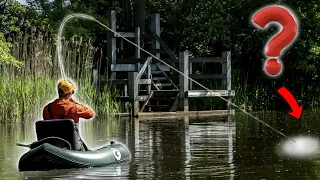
(305, 147)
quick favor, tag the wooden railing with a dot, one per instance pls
(134, 80)
(225, 76)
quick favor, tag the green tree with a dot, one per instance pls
(5, 56)
(11, 16)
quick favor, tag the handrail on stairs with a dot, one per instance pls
(143, 68)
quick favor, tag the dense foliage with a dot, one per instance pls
(205, 28)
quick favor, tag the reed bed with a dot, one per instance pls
(25, 90)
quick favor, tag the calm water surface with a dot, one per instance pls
(212, 148)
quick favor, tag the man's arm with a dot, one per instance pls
(82, 111)
(45, 114)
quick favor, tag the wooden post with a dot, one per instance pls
(133, 92)
(226, 69)
(183, 81)
(190, 72)
(149, 76)
(111, 46)
(121, 47)
(155, 28)
(137, 41)
(126, 104)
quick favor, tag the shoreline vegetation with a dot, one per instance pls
(26, 89)
(206, 28)
(30, 83)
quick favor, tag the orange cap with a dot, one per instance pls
(66, 87)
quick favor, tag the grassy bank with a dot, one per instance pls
(25, 90)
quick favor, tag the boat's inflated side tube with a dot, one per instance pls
(47, 156)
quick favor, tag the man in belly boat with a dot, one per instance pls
(65, 107)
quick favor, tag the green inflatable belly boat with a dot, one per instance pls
(57, 151)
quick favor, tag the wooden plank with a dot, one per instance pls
(121, 48)
(208, 76)
(140, 60)
(165, 74)
(137, 41)
(125, 34)
(165, 47)
(155, 28)
(124, 67)
(149, 76)
(154, 85)
(126, 104)
(208, 60)
(133, 68)
(183, 81)
(174, 106)
(159, 78)
(226, 69)
(156, 72)
(144, 81)
(162, 84)
(133, 92)
(162, 67)
(213, 93)
(190, 72)
(147, 116)
(144, 67)
(111, 45)
(137, 49)
(146, 102)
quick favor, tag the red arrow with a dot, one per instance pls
(296, 109)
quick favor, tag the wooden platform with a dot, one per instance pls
(178, 114)
(149, 88)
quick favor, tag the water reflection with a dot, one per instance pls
(110, 172)
(212, 148)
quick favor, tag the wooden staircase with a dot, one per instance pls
(163, 94)
(149, 85)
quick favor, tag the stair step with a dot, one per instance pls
(163, 105)
(163, 84)
(159, 78)
(134, 68)
(140, 60)
(156, 72)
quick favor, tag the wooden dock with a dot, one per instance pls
(178, 114)
(148, 86)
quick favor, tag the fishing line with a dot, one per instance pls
(92, 18)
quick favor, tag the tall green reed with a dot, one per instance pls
(24, 91)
